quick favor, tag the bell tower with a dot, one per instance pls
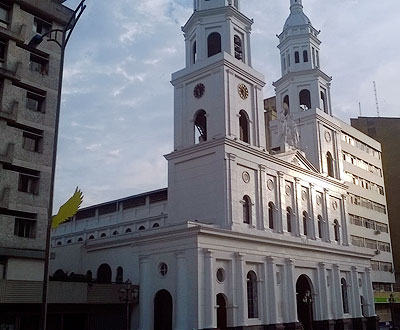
(218, 100)
(303, 85)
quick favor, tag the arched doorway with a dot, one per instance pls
(221, 312)
(305, 301)
(163, 310)
(104, 274)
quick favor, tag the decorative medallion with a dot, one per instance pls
(304, 195)
(221, 275)
(288, 190)
(270, 184)
(243, 91)
(328, 137)
(319, 200)
(335, 205)
(199, 90)
(246, 177)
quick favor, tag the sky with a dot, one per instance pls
(117, 104)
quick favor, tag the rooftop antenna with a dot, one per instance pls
(376, 100)
(359, 106)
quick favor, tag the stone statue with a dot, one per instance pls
(288, 130)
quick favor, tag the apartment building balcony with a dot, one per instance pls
(7, 156)
(30, 292)
(10, 70)
(10, 113)
(16, 32)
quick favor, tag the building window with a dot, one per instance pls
(35, 102)
(103, 235)
(156, 225)
(286, 104)
(40, 26)
(246, 210)
(91, 237)
(244, 126)
(31, 142)
(345, 298)
(25, 228)
(289, 219)
(119, 278)
(238, 47)
(305, 99)
(329, 161)
(194, 53)
(297, 57)
(320, 221)
(200, 124)
(323, 102)
(252, 295)
(142, 228)
(305, 56)
(163, 269)
(271, 211)
(28, 184)
(128, 230)
(39, 64)
(336, 229)
(305, 220)
(4, 15)
(214, 44)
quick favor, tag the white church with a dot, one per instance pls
(245, 237)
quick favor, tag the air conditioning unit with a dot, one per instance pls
(377, 252)
(377, 232)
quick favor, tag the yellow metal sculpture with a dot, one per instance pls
(68, 210)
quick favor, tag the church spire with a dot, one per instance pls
(297, 16)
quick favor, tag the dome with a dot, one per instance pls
(296, 18)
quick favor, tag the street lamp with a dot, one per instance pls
(308, 300)
(129, 294)
(54, 35)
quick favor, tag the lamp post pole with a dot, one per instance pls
(391, 302)
(53, 36)
(129, 295)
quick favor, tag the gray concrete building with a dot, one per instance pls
(28, 101)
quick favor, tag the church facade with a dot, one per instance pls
(243, 238)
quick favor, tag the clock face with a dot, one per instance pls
(199, 90)
(243, 91)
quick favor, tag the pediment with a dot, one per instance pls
(297, 158)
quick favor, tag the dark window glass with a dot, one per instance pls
(214, 44)
(25, 228)
(252, 295)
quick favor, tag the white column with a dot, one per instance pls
(271, 291)
(181, 292)
(339, 313)
(323, 292)
(356, 312)
(369, 299)
(263, 193)
(210, 320)
(328, 225)
(280, 207)
(343, 213)
(241, 292)
(145, 294)
(311, 229)
(289, 292)
(297, 210)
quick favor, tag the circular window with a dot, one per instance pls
(163, 269)
(199, 90)
(246, 177)
(221, 275)
(335, 205)
(270, 184)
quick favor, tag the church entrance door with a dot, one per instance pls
(305, 301)
(163, 310)
(221, 312)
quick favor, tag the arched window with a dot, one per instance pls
(238, 47)
(305, 220)
(246, 210)
(104, 274)
(323, 102)
(320, 221)
(297, 57)
(345, 298)
(142, 228)
(252, 295)
(289, 213)
(103, 235)
(305, 99)
(156, 225)
(244, 126)
(214, 44)
(128, 230)
(286, 104)
(329, 161)
(362, 305)
(337, 230)
(305, 56)
(91, 237)
(80, 239)
(271, 211)
(69, 241)
(200, 126)
(120, 275)
(194, 52)
(115, 233)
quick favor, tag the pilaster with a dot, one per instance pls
(297, 199)
(356, 303)
(289, 292)
(145, 301)
(181, 292)
(280, 199)
(344, 231)
(240, 289)
(339, 313)
(271, 291)
(210, 321)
